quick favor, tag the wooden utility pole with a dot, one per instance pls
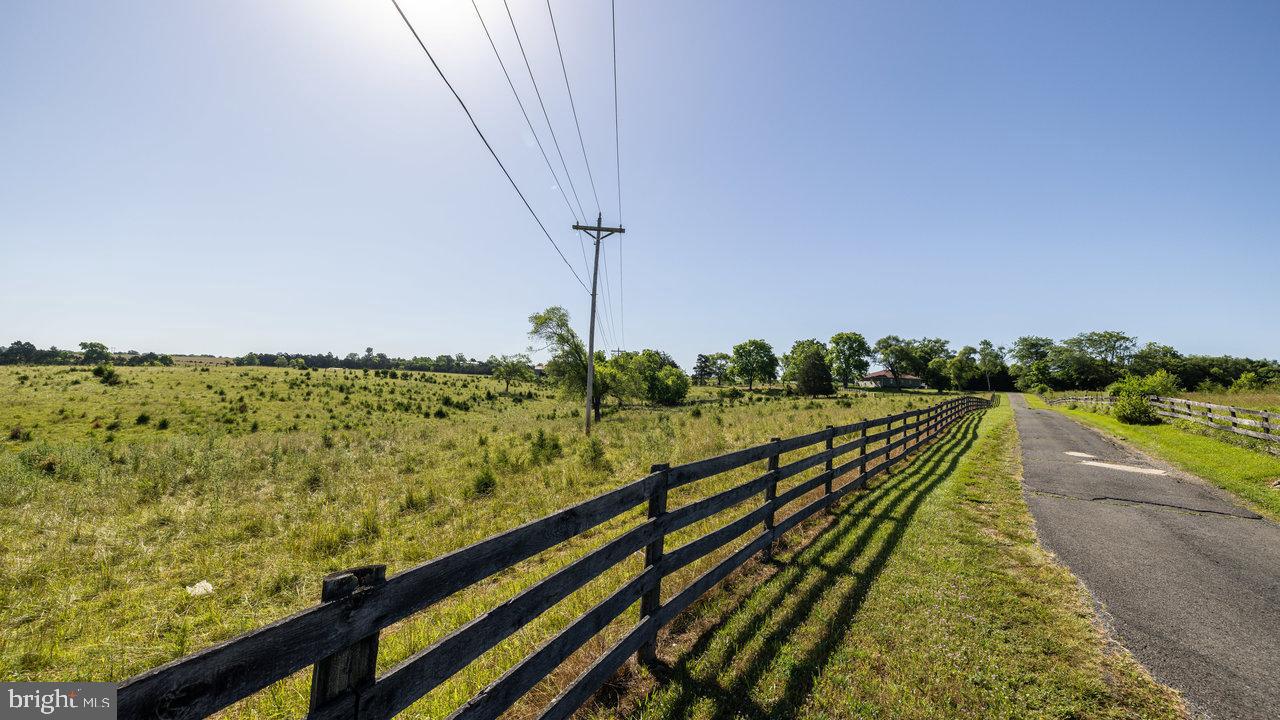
(597, 232)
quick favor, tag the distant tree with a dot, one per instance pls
(165, 360)
(297, 363)
(753, 361)
(849, 356)
(567, 367)
(938, 374)
(720, 364)
(990, 360)
(810, 370)
(896, 355)
(799, 349)
(1030, 349)
(703, 371)
(1153, 356)
(963, 368)
(510, 368)
(94, 353)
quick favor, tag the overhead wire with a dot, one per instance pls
(516, 95)
(538, 92)
(485, 140)
(573, 106)
(617, 161)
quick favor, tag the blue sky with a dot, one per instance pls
(234, 176)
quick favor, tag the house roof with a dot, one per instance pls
(887, 374)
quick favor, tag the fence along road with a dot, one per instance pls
(339, 637)
(1258, 424)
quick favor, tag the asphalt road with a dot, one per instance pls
(1187, 579)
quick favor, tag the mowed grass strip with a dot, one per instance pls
(926, 597)
(1249, 474)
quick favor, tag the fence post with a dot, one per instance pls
(862, 453)
(830, 464)
(351, 668)
(771, 494)
(651, 601)
(1233, 418)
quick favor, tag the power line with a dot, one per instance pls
(554, 140)
(617, 163)
(608, 301)
(572, 106)
(485, 140)
(514, 93)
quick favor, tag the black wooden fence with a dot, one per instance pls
(339, 637)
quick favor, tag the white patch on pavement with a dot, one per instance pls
(1126, 468)
(1074, 453)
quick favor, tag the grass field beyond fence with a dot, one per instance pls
(260, 481)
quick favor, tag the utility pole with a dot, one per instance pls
(597, 232)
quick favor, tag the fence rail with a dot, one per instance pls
(1223, 417)
(339, 637)
(1258, 424)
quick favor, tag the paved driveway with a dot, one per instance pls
(1188, 579)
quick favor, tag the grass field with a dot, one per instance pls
(926, 597)
(1227, 461)
(115, 498)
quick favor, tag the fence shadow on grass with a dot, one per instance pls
(813, 574)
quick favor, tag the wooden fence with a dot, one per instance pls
(1223, 417)
(339, 637)
(1258, 424)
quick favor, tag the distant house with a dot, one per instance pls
(884, 378)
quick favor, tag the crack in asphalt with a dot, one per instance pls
(1131, 501)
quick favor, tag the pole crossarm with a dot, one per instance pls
(603, 232)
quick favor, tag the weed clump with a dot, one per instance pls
(544, 448)
(592, 455)
(484, 483)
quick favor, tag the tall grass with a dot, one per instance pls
(262, 480)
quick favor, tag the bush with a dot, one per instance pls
(484, 483)
(730, 394)
(107, 375)
(143, 419)
(1248, 382)
(1160, 382)
(544, 448)
(669, 387)
(1134, 409)
(592, 455)
(813, 376)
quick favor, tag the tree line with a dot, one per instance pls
(814, 366)
(370, 360)
(21, 352)
(1096, 360)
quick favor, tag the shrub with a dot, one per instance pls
(143, 419)
(107, 375)
(484, 483)
(696, 412)
(1133, 409)
(592, 455)
(544, 448)
(730, 393)
(163, 424)
(1248, 382)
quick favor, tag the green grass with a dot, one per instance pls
(1247, 473)
(926, 597)
(262, 480)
